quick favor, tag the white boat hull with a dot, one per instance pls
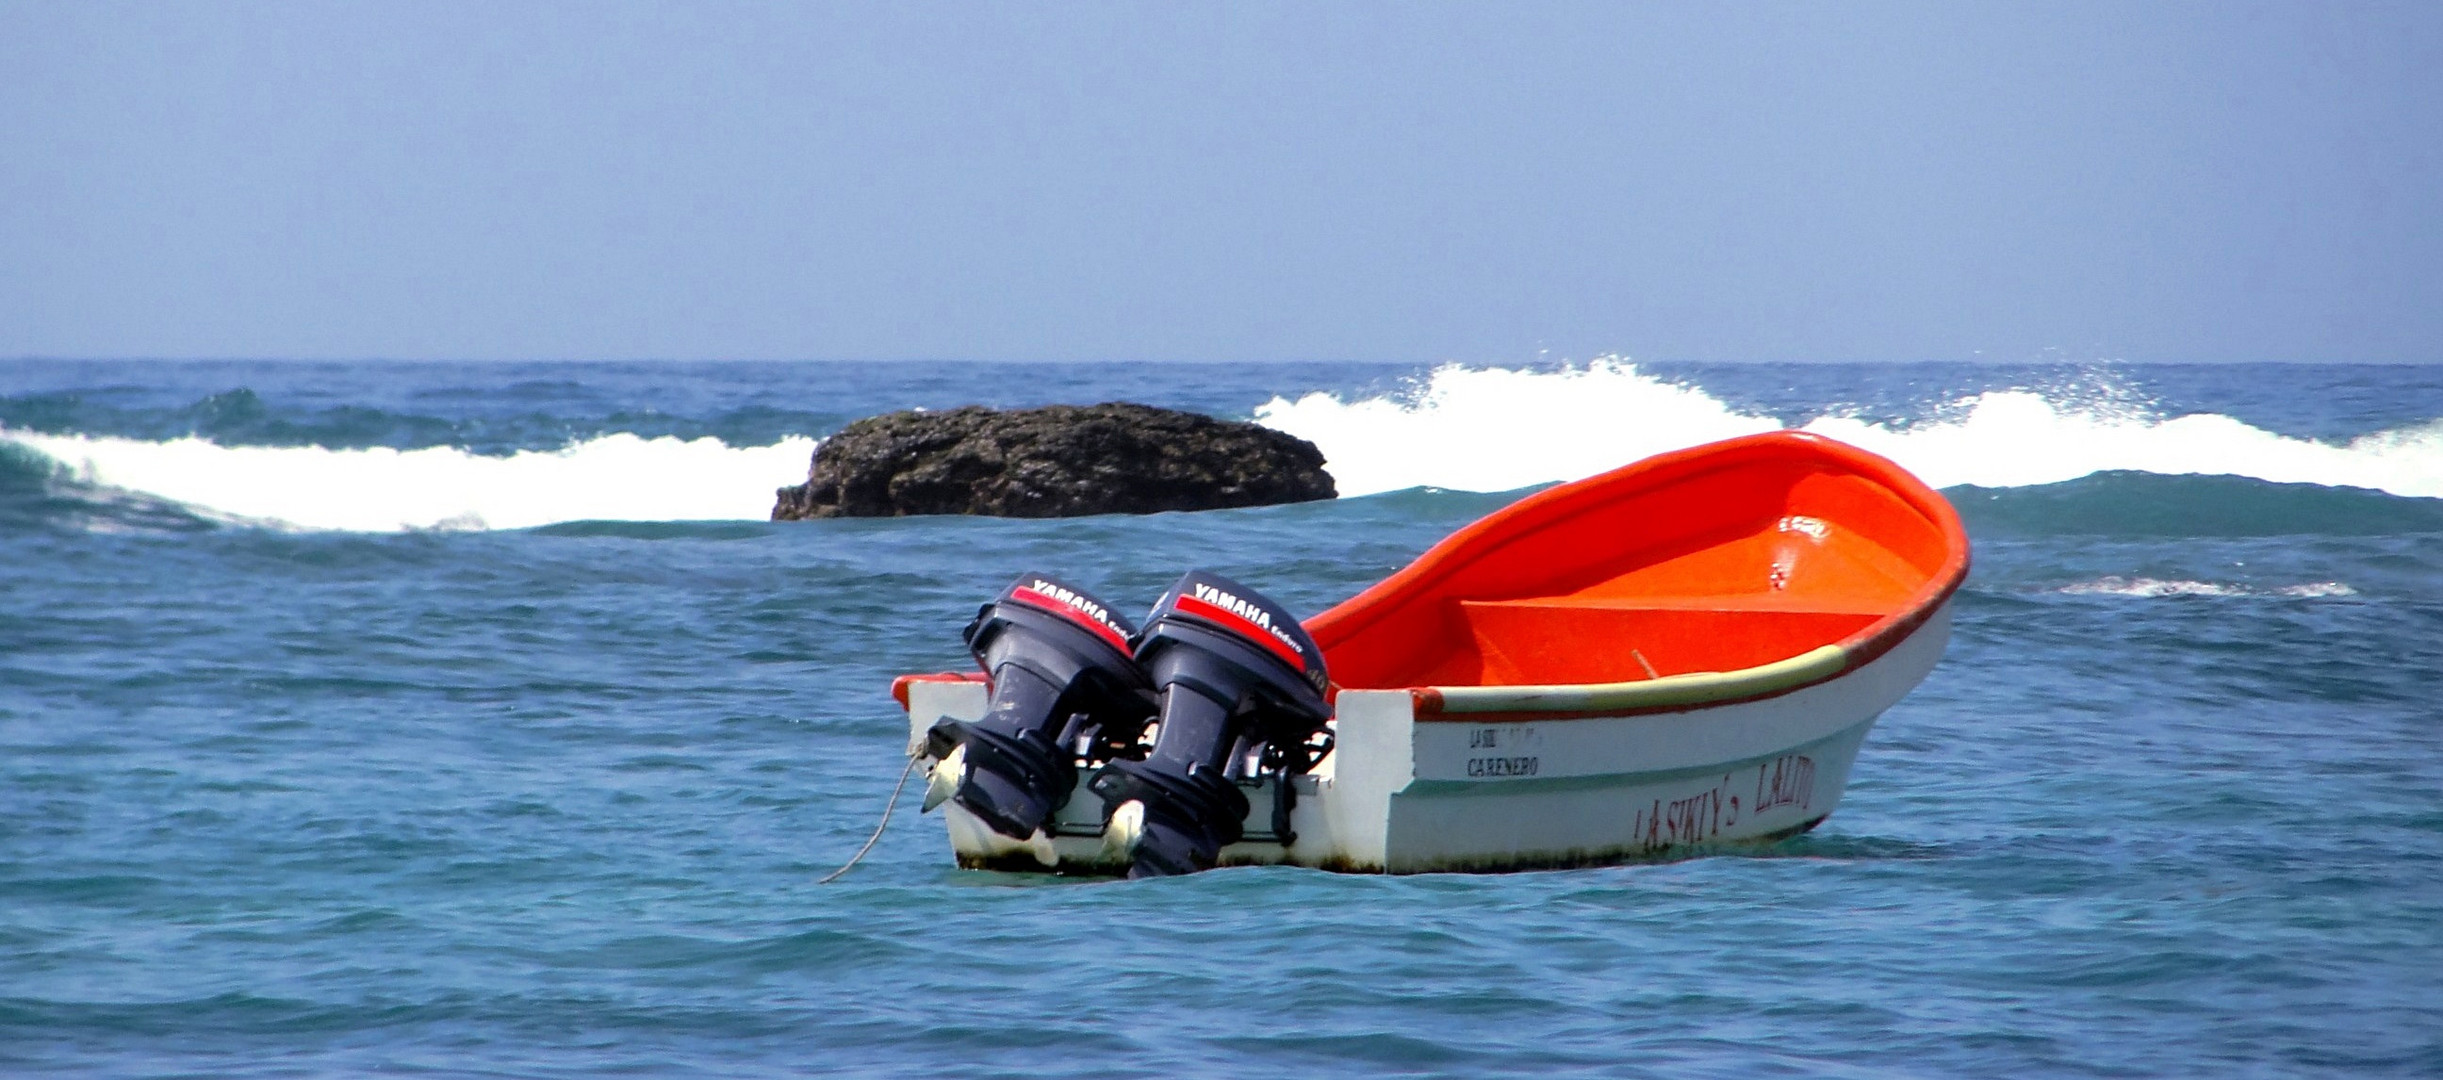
(1408, 794)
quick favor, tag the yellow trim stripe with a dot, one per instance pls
(1694, 688)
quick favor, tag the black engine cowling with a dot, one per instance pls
(1234, 672)
(1062, 672)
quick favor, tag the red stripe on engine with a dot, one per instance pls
(1050, 603)
(1225, 616)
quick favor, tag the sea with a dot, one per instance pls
(471, 719)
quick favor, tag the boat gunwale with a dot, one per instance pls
(1674, 693)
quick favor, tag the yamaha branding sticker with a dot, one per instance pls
(1224, 608)
(1074, 606)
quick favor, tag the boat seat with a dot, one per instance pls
(1579, 639)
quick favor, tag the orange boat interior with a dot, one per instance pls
(1716, 558)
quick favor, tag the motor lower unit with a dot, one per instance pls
(1064, 686)
(1241, 686)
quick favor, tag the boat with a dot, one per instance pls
(1674, 657)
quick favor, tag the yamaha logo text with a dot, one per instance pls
(1257, 616)
(1082, 605)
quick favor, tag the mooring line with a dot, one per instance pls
(887, 808)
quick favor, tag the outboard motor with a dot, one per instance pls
(1241, 685)
(1062, 681)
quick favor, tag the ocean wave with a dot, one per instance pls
(1456, 429)
(620, 477)
(494, 421)
(2137, 504)
(35, 490)
(1494, 429)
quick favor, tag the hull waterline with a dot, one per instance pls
(1408, 795)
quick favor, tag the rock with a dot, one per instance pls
(1056, 461)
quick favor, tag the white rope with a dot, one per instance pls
(887, 808)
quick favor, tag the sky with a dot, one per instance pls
(1411, 182)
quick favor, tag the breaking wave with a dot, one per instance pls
(1491, 429)
(621, 477)
(2016, 460)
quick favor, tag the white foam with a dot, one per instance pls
(2151, 588)
(2315, 589)
(1495, 430)
(1489, 429)
(2013, 438)
(619, 477)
